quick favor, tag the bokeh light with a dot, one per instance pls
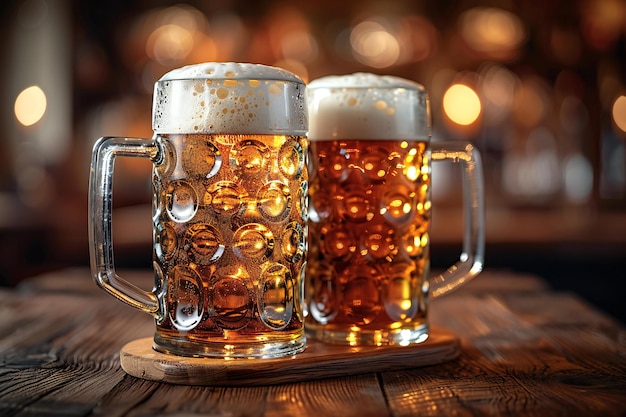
(374, 45)
(497, 90)
(494, 32)
(619, 113)
(530, 104)
(461, 104)
(30, 105)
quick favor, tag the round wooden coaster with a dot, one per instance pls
(319, 360)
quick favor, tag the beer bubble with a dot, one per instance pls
(338, 242)
(253, 241)
(356, 204)
(231, 302)
(202, 243)
(323, 303)
(276, 296)
(377, 163)
(185, 297)
(224, 197)
(201, 157)
(274, 201)
(165, 241)
(291, 158)
(379, 242)
(181, 201)
(293, 242)
(249, 158)
(361, 297)
(397, 204)
(401, 299)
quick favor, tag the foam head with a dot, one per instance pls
(229, 98)
(367, 107)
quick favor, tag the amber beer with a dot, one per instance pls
(369, 217)
(369, 259)
(230, 240)
(229, 212)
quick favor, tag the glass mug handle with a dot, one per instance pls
(103, 272)
(471, 260)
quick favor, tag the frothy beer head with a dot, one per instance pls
(229, 98)
(366, 106)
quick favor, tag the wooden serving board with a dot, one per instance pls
(318, 361)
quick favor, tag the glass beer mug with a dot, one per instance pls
(367, 277)
(229, 212)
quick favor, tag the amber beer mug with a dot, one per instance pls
(367, 278)
(229, 212)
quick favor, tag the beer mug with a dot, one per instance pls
(229, 212)
(367, 278)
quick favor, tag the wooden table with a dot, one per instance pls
(525, 350)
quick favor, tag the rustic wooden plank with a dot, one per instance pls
(525, 351)
(135, 397)
(60, 352)
(522, 355)
(67, 392)
(353, 396)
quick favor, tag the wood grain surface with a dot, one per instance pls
(318, 361)
(524, 350)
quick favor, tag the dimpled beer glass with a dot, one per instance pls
(229, 212)
(367, 278)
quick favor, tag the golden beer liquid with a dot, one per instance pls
(369, 221)
(230, 243)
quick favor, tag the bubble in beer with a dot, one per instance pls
(202, 158)
(249, 158)
(185, 297)
(274, 201)
(357, 205)
(231, 302)
(224, 197)
(181, 201)
(377, 163)
(293, 242)
(203, 244)
(165, 241)
(253, 241)
(338, 242)
(361, 297)
(323, 306)
(276, 296)
(291, 159)
(379, 242)
(398, 204)
(416, 242)
(400, 295)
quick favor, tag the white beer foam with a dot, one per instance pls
(228, 97)
(366, 107)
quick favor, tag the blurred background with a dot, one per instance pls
(538, 86)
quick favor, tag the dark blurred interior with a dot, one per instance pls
(546, 105)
